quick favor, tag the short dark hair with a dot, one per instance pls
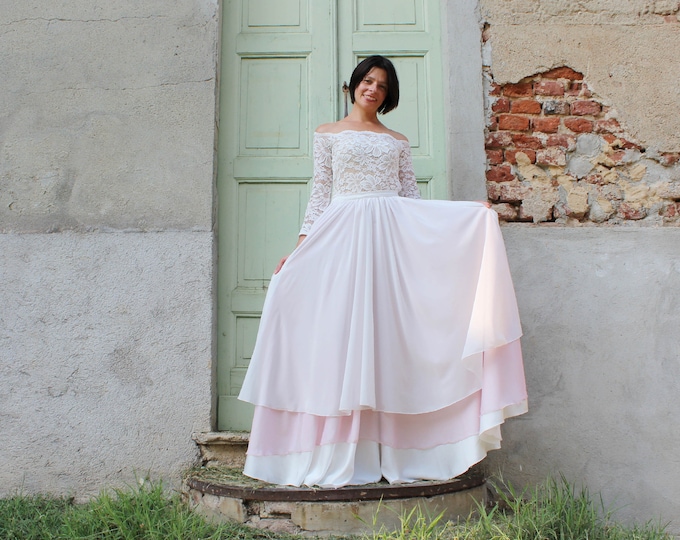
(366, 65)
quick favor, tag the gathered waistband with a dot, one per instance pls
(385, 193)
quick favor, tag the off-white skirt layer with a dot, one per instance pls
(388, 346)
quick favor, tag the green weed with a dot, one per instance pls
(554, 510)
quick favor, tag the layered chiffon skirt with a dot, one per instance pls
(388, 347)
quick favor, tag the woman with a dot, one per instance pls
(389, 340)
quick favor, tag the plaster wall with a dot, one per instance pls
(600, 320)
(598, 303)
(108, 115)
(107, 130)
(626, 50)
(105, 358)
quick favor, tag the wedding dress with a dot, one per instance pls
(389, 341)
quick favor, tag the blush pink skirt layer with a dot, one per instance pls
(388, 347)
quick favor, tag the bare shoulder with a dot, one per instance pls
(398, 135)
(331, 127)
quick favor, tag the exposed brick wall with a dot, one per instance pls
(556, 153)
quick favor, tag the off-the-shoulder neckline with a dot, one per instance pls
(361, 131)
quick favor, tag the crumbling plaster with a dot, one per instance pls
(628, 52)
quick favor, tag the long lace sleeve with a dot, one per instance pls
(322, 183)
(407, 178)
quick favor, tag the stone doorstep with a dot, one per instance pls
(222, 447)
(291, 510)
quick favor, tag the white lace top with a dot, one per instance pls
(352, 162)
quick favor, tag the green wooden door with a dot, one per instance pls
(283, 64)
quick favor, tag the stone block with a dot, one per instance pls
(557, 107)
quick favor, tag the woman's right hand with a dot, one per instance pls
(281, 263)
(284, 259)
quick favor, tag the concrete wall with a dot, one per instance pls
(600, 320)
(106, 214)
(598, 302)
(107, 127)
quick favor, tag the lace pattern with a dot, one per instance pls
(352, 162)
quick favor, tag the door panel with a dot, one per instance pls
(408, 33)
(283, 63)
(275, 55)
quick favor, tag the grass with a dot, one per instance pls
(554, 510)
(144, 513)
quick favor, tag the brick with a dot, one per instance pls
(585, 91)
(609, 125)
(555, 107)
(629, 145)
(594, 179)
(585, 107)
(551, 156)
(526, 106)
(549, 88)
(500, 173)
(507, 191)
(518, 90)
(513, 122)
(494, 157)
(561, 140)
(628, 211)
(574, 88)
(563, 73)
(499, 139)
(669, 158)
(510, 155)
(493, 123)
(496, 89)
(578, 125)
(546, 125)
(521, 140)
(611, 139)
(617, 156)
(671, 211)
(501, 105)
(505, 211)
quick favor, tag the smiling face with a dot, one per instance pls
(371, 91)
